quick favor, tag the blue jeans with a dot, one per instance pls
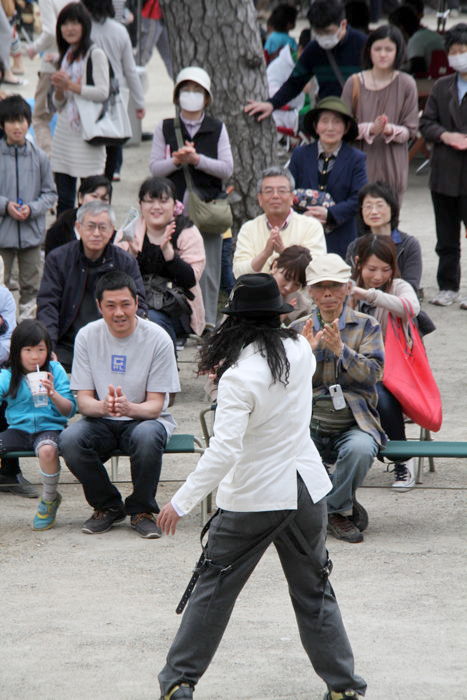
(353, 452)
(89, 442)
(227, 277)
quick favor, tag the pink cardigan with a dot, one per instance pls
(191, 250)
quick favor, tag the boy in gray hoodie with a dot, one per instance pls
(27, 191)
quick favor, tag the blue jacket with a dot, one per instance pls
(346, 178)
(21, 413)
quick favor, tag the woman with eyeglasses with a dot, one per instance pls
(170, 253)
(378, 210)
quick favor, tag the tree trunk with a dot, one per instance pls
(222, 36)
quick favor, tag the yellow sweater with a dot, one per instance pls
(252, 237)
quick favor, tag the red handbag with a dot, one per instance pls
(408, 376)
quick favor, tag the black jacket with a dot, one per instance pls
(64, 282)
(443, 112)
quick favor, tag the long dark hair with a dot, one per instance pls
(223, 348)
(76, 12)
(27, 333)
(383, 248)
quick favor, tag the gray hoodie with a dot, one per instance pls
(25, 174)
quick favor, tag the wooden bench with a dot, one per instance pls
(179, 443)
(431, 449)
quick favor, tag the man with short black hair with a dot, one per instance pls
(333, 55)
(66, 301)
(123, 370)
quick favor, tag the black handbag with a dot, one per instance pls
(162, 295)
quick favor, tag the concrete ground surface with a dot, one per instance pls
(93, 616)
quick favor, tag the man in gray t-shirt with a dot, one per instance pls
(124, 369)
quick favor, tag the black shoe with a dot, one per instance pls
(343, 528)
(146, 526)
(340, 695)
(19, 485)
(359, 515)
(184, 691)
(102, 520)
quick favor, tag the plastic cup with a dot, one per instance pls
(38, 390)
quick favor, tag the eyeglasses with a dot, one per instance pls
(281, 191)
(91, 226)
(157, 200)
(377, 206)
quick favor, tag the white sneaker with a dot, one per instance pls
(404, 476)
(463, 303)
(445, 297)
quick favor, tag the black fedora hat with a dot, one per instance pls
(256, 295)
(331, 104)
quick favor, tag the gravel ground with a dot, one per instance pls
(92, 617)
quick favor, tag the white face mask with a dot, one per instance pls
(458, 62)
(191, 101)
(327, 41)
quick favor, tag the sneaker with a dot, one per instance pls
(463, 303)
(359, 516)
(404, 476)
(102, 520)
(146, 526)
(445, 297)
(19, 485)
(343, 528)
(44, 519)
(184, 691)
(340, 694)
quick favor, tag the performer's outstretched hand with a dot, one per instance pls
(168, 519)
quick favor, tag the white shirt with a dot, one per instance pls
(261, 438)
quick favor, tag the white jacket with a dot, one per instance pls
(261, 438)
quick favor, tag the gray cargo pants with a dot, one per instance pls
(302, 552)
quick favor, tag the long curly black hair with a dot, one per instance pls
(224, 346)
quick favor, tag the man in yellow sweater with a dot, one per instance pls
(264, 238)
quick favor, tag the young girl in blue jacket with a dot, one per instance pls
(33, 427)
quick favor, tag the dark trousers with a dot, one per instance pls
(302, 553)
(113, 161)
(390, 413)
(450, 212)
(86, 444)
(66, 190)
(9, 467)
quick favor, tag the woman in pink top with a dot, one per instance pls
(167, 246)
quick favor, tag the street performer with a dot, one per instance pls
(271, 488)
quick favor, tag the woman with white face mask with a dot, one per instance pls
(384, 101)
(207, 154)
(444, 124)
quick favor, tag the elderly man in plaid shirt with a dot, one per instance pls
(345, 426)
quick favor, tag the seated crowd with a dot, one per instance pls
(114, 306)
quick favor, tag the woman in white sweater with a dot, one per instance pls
(72, 157)
(379, 291)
